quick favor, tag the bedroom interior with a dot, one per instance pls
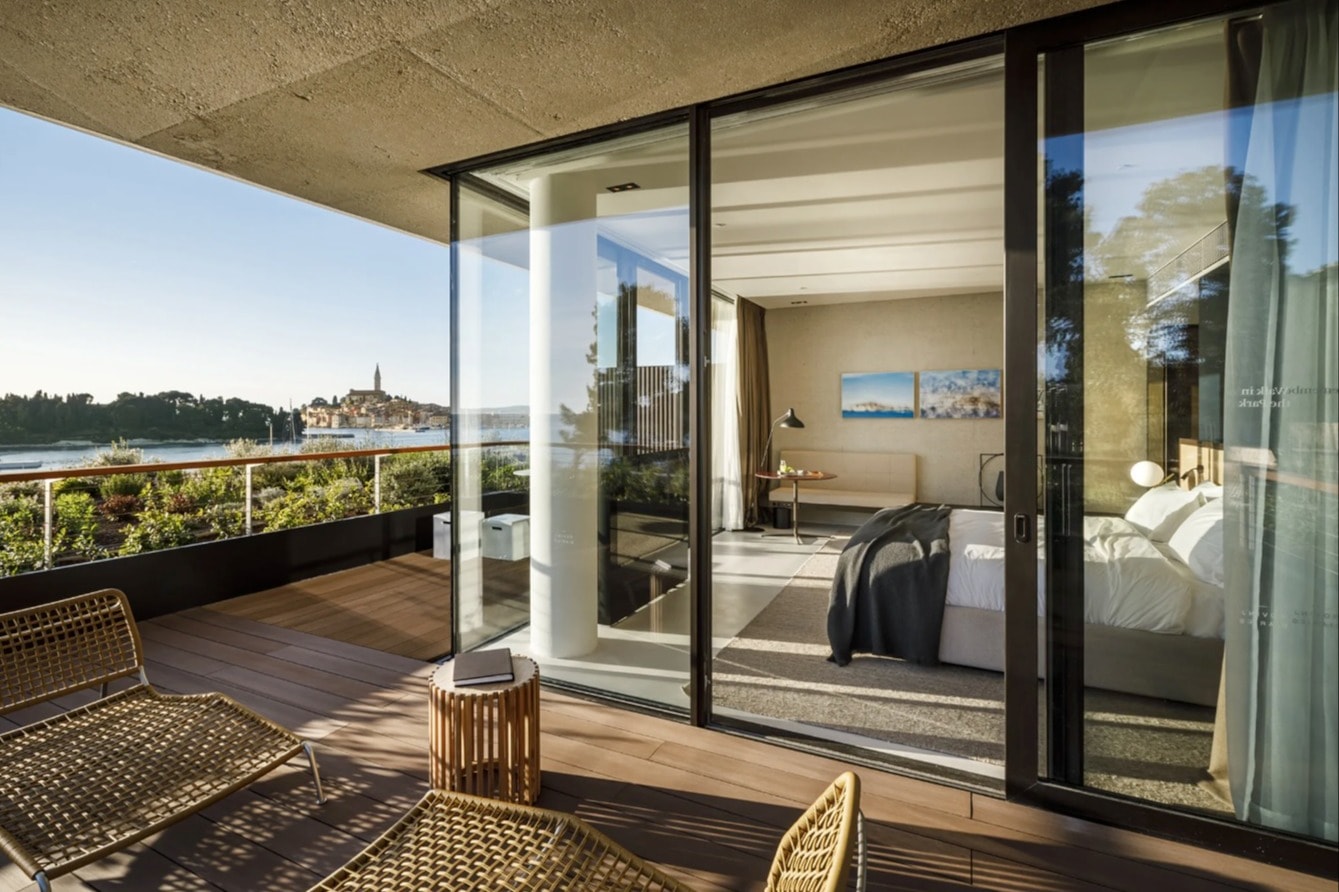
(861, 233)
(899, 281)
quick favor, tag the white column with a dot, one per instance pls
(564, 462)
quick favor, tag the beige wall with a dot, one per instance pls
(809, 348)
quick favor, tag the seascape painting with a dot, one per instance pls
(961, 393)
(878, 394)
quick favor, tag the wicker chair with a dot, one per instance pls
(456, 841)
(86, 782)
(815, 853)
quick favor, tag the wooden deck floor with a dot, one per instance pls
(374, 606)
(707, 806)
(400, 606)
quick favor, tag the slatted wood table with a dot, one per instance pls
(484, 739)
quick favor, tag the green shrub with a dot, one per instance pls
(76, 525)
(225, 520)
(313, 445)
(122, 485)
(347, 497)
(419, 478)
(294, 509)
(21, 546)
(212, 486)
(156, 529)
(76, 484)
(118, 453)
(26, 489)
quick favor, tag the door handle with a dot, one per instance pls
(1022, 528)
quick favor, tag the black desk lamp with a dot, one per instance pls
(787, 420)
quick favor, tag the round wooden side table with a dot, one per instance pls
(484, 739)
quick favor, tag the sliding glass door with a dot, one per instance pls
(858, 234)
(571, 483)
(1189, 412)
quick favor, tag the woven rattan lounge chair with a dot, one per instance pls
(89, 781)
(453, 841)
(815, 853)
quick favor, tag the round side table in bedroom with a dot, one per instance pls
(484, 739)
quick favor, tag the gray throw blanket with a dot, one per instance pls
(892, 578)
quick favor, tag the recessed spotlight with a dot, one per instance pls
(804, 287)
(622, 187)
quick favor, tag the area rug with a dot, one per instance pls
(777, 667)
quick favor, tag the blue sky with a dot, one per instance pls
(123, 271)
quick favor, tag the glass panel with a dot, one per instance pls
(1192, 386)
(860, 237)
(491, 479)
(573, 306)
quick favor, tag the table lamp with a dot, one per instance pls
(786, 420)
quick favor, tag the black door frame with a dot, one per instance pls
(1025, 780)
(1058, 786)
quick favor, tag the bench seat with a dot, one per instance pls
(847, 498)
(869, 480)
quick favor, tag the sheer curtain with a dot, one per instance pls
(1281, 526)
(727, 498)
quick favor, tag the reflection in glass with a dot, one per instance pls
(574, 339)
(1202, 338)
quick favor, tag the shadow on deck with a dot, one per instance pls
(708, 806)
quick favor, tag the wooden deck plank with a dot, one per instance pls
(709, 806)
(402, 605)
(352, 653)
(141, 867)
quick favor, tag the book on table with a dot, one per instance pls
(482, 667)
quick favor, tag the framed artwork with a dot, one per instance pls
(961, 393)
(878, 394)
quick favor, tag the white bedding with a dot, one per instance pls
(1128, 580)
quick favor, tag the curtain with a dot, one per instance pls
(727, 497)
(755, 403)
(1281, 523)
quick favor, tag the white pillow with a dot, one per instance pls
(1198, 542)
(1160, 511)
(1209, 491)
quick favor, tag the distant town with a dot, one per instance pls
(375, 409)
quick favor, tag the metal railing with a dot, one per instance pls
(49, 478)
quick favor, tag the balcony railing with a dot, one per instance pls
(214, 506)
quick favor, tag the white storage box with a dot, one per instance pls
(506, 537)
(441, 534)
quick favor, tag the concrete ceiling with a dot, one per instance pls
(343, 102)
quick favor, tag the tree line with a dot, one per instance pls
(171, 415)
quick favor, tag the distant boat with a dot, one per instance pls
(422, 430)
(19, 465)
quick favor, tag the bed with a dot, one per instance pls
(1152, 585)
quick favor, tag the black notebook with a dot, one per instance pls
(482, 667)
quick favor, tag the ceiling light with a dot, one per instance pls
(719, 225)
(623, 187)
